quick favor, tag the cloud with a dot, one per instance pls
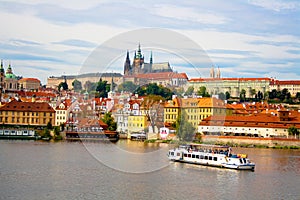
(276, 5)
(77, 43)
(187, 14)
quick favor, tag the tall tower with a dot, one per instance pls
(212, 72)
(2, 74)
(218, 73)
(138, 60)
(127, 66)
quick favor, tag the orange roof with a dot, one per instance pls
(256, 120)
(29, 79)
(287, 82)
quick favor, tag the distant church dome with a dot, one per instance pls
(10, 76)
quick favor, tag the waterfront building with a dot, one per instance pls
(27, 113)
(293, 86)
(62, 112)
(196, 109)
(274, 123)
(136, 123)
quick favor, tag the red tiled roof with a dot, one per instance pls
(287, 82)
(30, 79)
(27, 106)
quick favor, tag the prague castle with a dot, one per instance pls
(139, 66)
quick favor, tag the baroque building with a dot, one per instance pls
(8, 80)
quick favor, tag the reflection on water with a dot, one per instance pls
(74, 170)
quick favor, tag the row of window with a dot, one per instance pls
(200, 156)
(135, 125)
(61, 112)
(234, 128)
(22, 120)
(22, 113)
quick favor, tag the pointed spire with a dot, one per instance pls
(1, 67)
(151, 59)
(127, 57)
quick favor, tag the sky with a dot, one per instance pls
(244, 38)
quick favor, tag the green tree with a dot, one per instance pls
(46, 133)
(127, 86)
(202, 92)
(63, 85)
(252, 92)
(154, 89)
(185, 130)
(77, 86)
(89, 86)
(102, 88)
(227, 95)
(222, 96)
(189, 91)
(56, 130)
(292, 130)
(109, 120)
(243, 95)
(49, 126)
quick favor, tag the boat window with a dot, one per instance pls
(185, 155)
(197, 156)
(172, 153)
(215, 158)
(206, 157)
(201, 157)
(178, 154)
(189, 155)
(193, 155)
(209, 158)
(241, 161)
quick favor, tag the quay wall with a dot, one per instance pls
(240, 140)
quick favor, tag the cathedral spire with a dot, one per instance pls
(151, 59)
(1, 67)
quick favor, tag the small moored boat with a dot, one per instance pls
(211, 155)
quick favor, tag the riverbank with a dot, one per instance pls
(240, 141)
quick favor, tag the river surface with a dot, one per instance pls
(134, 170)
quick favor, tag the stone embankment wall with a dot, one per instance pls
(239, 140)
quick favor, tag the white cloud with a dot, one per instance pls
(275, 5)
(188, 14)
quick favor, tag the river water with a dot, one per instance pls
(134, 170)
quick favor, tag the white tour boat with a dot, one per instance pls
(210, 155)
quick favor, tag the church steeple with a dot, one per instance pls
(127, 66)
(1, 67)
(151, 59)
(9, 69)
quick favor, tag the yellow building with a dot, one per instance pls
(27, 113)
(136, 123)
(196, 109)
(171, 110)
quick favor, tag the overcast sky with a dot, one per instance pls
(254, 38)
